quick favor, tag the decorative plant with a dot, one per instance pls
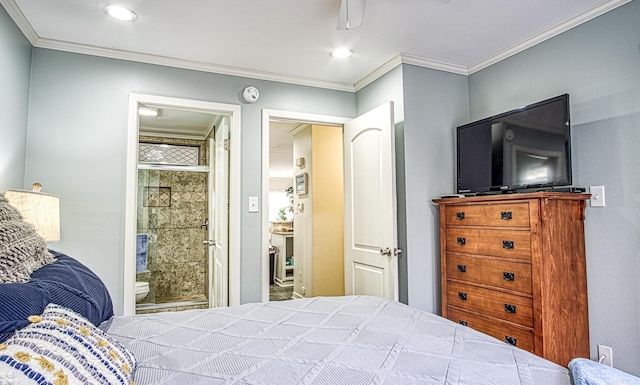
(283, 213)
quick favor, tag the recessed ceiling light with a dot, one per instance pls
(341, 53)
(149, 111)
(119, 12)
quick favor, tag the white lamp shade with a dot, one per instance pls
(40, 209)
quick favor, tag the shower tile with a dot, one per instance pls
(173, 246)
(189, 181)
(180, 280)
(152, 249)
(164, 178)
(157, 197)
(153, 178)
(188, 214)
(197, 248)
(163, 220)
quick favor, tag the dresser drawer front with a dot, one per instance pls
(502, 215)
(499, 329)
(505, 306)
(494, 272)
(498, 243)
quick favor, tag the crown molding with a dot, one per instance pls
(434, 64)
(547, 34)
(18, 17)
(188, 64)
(403, 58)
(378, 72)
(23, 24)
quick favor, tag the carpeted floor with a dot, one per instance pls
(278, 293)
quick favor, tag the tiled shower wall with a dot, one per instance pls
(172, 208)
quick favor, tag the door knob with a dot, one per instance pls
(388, 252)
(209, 242)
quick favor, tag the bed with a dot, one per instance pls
(57, 327)
(325, 340)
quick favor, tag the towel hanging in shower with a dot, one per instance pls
(142, 241)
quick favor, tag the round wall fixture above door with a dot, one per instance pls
(250, 94)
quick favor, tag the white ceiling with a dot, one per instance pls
(290, 40)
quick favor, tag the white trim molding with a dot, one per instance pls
(402, 58)
(280, 116)
(546, 34)
(131, 183)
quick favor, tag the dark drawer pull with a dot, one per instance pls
(507, 244)
(509, 308)
(462, 296)
(505, 215)
(462, 322)
(508, 276)
(461, 241)
(460, 215)
(462, 268)
(511, 341)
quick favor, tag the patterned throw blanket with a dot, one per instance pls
(587, 372)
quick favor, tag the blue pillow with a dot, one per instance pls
(65, 282)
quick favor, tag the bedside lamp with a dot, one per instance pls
(40, 209)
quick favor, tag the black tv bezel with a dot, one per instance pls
(522, 187)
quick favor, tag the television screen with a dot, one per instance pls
(521, 149)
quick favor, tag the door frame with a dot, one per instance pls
(269, 115)
(131, 186)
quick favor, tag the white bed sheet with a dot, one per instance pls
(326, 340)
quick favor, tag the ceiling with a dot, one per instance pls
(290, 40)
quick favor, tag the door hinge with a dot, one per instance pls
(227, 144)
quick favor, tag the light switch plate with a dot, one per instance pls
(253, 204)
(597, 196)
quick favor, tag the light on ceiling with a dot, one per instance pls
(121, 13)
(341, 53)
(149, 111)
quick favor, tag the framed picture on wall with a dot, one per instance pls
(301, 184)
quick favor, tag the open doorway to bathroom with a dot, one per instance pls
(222, 122)
(173, 267)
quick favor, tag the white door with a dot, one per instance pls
(219, 229)
(371, 263)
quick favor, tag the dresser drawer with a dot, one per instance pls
(499, 243)
(509, 307)
(501, 330)
(502, 215)
(493, 272)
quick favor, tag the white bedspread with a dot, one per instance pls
(329, 340)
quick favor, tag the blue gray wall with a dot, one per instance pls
(78, 121)
(435, 103)
(598, 65)
(15, 67)
(428, 105)
(77, 147)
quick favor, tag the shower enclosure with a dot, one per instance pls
(172, 225)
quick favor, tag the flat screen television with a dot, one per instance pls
(523, 149)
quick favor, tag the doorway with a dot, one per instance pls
(280, 210)
(291, 120)
(370, 216)
(225, 288)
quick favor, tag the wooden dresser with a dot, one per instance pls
(513, 267)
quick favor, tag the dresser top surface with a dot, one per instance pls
(515, 197)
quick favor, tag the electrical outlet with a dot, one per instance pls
(605, 355)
